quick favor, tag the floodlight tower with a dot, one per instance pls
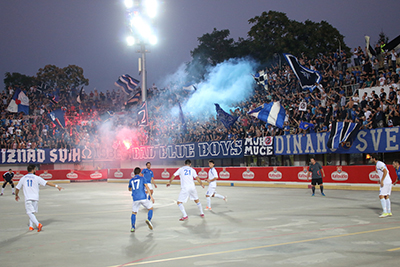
(140, 14)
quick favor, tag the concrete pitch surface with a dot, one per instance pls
(88, 224)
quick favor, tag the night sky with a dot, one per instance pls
(91, 34)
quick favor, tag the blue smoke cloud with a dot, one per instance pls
(226, 84)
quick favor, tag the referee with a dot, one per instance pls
(317, 174)
(8, 176)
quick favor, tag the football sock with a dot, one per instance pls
(208, 202)
(388, 208)
(200, 207)
(32, 217)
(2, 190)
(182, 208)
(13, 190)
(219, 196)
(150, 215)
(30, 223)
(133, 220)
(321, 188)
(383, 203)
(313, 189)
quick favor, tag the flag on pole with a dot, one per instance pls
(79, 99)
(342, 132)
(392, 44)
(127, 83)
(19, 102)
(136, 98)
(307, 78)
(57, 116)
(261, 78)
(189, 87)
(227, 119)
(182, 117)
(370, 50)
(305, 125)
(273, 113)
(142, 115)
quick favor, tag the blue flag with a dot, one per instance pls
(136, 98)
(127, 83)
(307, 78)
(342, 132)
(142, 115)
(182, 117)
(273, 113)
(227, 119)
(305, 125)
(57, 116)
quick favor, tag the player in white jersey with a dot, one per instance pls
(30, 184)
(188, 189)
(212, 185)
(385, 185)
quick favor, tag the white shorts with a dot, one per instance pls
(385, 190)
(185, 193)
(211, 191)
(144, 202)
(150, 186)
(31, 206)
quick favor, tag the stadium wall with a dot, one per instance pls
(339, 177)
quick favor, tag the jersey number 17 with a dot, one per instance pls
(135, 184)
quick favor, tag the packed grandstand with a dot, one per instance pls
(337, 97)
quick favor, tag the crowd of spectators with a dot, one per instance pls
(335, 98)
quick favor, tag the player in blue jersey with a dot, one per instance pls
(149, 177)
(396, 166)
(138, 186)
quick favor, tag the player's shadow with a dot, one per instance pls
(202, 230)
(6, 243)
(394, 203)
(224, 214)
(376, 209)
(48, 222)
(139, 247)
(332, 197)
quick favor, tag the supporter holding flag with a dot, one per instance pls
(307, 78)
(80, 97)
(19, 102)
(135, 99)
(227, 119)
(261, 78)
(305, 125)
(182, 118)
(57, 117)
(127, 83)
(273, 113)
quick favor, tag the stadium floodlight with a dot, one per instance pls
(153, 39)
(151, 8)
(130, 40)
(142, 28)
(128, 3)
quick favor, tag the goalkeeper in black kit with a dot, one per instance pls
(8, 176)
